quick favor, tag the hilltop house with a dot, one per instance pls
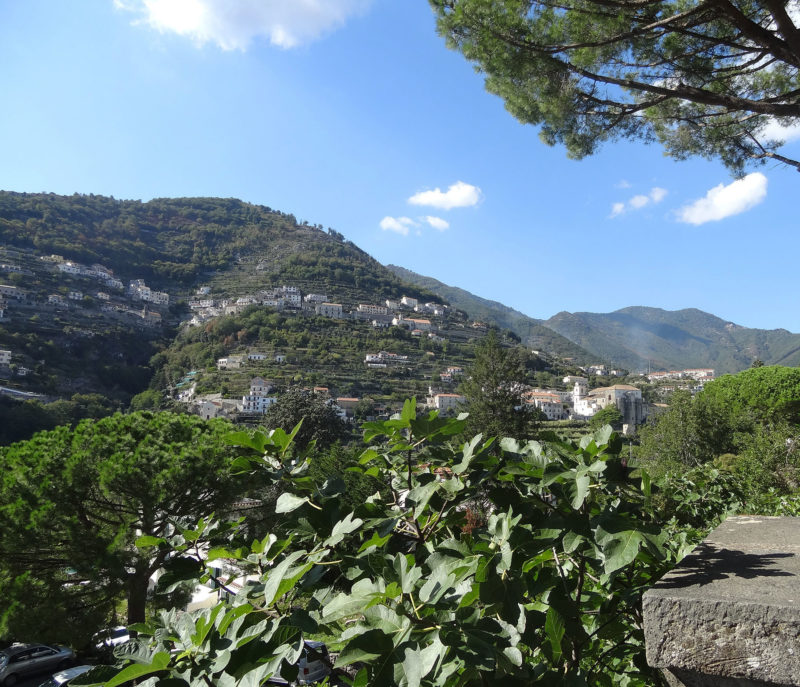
(445, 402)
(232, 362)
(329, 310)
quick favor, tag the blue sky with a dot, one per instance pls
(353, 114)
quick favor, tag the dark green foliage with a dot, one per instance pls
(320, 421)
(607, 416)
(74, 501)
(768, 393)
(747, 423)
(20, 420)
(425, 586)
(494, 393)
(173, 242)
(683, 436)
(702, 79)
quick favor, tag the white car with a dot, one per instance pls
(64, 677)
(114, 636)
(312, 667)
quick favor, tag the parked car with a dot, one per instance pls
(113, 636)
(312, 667)
(21, 660)
(64, 677)
(313, 663)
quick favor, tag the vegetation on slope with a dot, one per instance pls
(530, 330)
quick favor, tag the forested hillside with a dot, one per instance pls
(83, 341)
(176, 242)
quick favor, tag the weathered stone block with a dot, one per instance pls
(729, 614)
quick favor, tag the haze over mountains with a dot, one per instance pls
(636, 338)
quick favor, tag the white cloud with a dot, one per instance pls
(774, 131)
(459, 195)
(622, 183)
(234, 24)
(437, 222)
(617, 209)
(399, 225)
(637, 202)
(725, 201)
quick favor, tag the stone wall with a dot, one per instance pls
(729, 614)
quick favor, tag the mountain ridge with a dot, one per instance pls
(644, 337)
(637, 338)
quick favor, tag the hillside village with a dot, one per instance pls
(434, 321)
(96, 296)
(97, 291)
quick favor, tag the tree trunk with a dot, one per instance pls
(137, 593)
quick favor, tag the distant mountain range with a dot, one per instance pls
(636, 338)
(640, 337)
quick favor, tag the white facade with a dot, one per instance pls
(372, 309)
(292, 296)
(329, 310)
(232, 362)
(260, 386)
(140, 291)
(315, 298)
(446, 401)
(385, 357)
(12, 292)
(409, 302)
(257, 404)
(5, 357)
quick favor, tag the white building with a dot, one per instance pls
(549, 402)
(8, 291)
(260, 386)
(315, 298)
(372, 309)
(445, 402)
(140, 291)
(329, 310)
(409, 302)
(291, 296)
(232, 362)
(5, 358)
(257, 404)
(256, 355)
(384, 357)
